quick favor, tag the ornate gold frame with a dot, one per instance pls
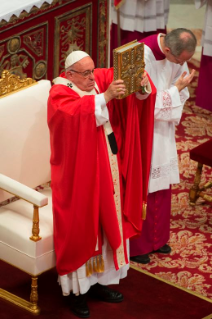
(10, 83)
(7, 41)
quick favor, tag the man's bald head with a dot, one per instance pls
(179, 40)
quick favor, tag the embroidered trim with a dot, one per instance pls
(167, 101)
(165, 170)
(120, 255)
(165, 112)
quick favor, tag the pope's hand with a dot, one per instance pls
(114, 90)
(145, 80)
(144, 83)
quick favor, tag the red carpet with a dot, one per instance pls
(144, 297)
(190, 263)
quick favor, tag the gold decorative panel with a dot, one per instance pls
(35, 44)
(25, 53)
(35, 41)
(102, 48)
(72, 32)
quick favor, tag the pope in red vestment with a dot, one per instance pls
(83, 188)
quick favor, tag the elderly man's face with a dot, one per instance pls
(81, 74)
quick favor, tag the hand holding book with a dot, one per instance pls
(114, 90)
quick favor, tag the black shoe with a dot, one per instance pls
(166, 249)
(141, 259)
(105, 293)
(79, 306)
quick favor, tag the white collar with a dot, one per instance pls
(66, 82)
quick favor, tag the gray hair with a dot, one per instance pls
(179, 40)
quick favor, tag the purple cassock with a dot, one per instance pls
(156, 227)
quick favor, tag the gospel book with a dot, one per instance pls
(128, 63)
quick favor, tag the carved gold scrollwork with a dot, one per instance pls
(72, 35)
(72, 32)
(10, 83)
(35, 41)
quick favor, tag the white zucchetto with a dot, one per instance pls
(74, 57)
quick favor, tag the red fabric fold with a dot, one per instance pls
(132, 121)
(78, 159)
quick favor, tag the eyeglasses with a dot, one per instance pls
(85, 74)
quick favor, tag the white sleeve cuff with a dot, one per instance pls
(101, 111)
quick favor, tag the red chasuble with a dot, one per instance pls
(82, 186)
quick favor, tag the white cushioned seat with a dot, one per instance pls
(15, 230)
(24, 165)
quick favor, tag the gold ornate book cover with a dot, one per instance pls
(128, 63)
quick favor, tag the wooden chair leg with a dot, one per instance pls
(194, 191)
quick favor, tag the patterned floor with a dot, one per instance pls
(190, 263)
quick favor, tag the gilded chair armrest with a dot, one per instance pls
(22, 191)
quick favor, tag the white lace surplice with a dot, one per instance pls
(168, 112)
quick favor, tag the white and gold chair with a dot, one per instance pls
(26, 240)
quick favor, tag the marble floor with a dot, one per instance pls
(184, 14)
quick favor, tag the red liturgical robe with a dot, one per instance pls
(82, 185)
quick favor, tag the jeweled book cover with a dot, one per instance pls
(128, 63)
